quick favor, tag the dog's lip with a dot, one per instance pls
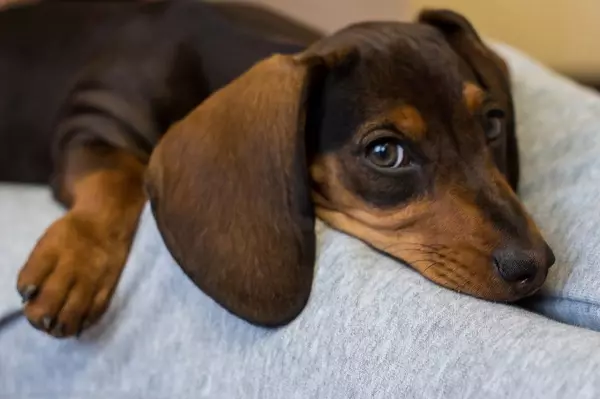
(528, 288)
(510, 293)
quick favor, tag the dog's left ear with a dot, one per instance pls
(230, 190)
(492, 74)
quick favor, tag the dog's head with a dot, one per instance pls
(399, 134)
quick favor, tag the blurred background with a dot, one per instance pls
(563, 34)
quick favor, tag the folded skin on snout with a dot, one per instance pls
(399, 134)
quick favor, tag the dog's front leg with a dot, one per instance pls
(70, 276)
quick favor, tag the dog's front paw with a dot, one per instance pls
(71, 274)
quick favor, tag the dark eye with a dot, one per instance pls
(386, 153)
(493, 123)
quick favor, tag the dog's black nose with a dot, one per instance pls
(517, 266)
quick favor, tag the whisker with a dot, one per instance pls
(423, 252)
(412, 247)
(449, 276)
(462, 267)
(478, 286)
(451, 268)
(434, 247)
(462, 286)
(430, 264)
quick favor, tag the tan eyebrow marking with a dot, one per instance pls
(473, 96)
(409, 121)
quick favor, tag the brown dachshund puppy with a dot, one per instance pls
(400, 134)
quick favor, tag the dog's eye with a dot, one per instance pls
(493, 124)
(386, 153)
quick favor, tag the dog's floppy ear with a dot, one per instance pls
(229, 188)
(491, 72)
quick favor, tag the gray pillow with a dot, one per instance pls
(560, 184)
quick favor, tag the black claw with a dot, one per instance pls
(59, 330)
(28, 292)
(47, 322)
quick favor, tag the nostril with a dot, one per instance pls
(550, 258)
(513, 268)
(521, 271)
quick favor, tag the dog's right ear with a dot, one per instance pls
(492, 74)
(229, 188)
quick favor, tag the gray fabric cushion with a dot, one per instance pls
(372, 329)
(559, 135)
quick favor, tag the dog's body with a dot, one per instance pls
(177, 53)
(399, 134)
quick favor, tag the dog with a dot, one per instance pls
(401, 134)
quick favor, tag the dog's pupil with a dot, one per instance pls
(384, 154)
(494, 128)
